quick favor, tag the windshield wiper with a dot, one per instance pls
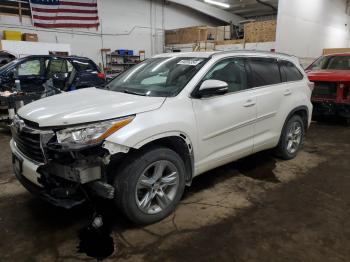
(133, 92)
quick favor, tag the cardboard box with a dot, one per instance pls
(12, 35)
(197, 34)
(262, 31)
(328, 51)
(30, 37)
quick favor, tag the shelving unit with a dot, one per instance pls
(117, 63)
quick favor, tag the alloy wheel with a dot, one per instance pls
(294, 137)
(157, 187)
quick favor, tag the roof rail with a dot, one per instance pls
(252, 51)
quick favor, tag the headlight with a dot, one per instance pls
(91, 134)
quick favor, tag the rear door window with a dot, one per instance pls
(85, 65)
(289, 72)
(264, 71)
(61, 66)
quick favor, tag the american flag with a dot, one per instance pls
(70, 13)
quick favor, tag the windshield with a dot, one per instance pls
(331, 63)
(164, 76)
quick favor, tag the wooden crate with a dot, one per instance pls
(196, 34)
(185, 35)
(328, 51)
(263, 31)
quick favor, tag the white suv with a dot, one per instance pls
(143, 137)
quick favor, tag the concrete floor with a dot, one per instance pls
(256, 209)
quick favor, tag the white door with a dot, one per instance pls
(275, 93)
(225, 123)
(265, 79)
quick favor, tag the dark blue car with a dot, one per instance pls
(67, 73)
(29, 78)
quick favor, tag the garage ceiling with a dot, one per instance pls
(250, 8)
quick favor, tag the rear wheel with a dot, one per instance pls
(150, 185)
(292, 138)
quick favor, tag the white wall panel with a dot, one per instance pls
(306, 27)
(22, 48)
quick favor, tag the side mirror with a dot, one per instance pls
(213, 88)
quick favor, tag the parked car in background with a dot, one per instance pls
(331, 77)
(26, 79)
(153, 128)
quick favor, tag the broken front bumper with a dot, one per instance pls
(61, 185)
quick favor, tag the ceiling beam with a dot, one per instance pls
(210, 10)
(248, 3)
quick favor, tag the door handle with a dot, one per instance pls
(287, 92)
(249, 103)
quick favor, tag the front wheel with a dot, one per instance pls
(292, 138)
(150, 185)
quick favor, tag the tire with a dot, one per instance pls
(284, 149)
(136, 183)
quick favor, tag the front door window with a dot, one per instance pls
(29, 68)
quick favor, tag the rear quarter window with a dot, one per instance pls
(85, 65)
(264, 71)
(289, 72)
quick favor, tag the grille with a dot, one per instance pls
(325, 90)
(29, 145)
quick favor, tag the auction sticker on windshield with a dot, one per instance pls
(191, 62)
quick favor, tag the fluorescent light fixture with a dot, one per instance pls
(217, 3)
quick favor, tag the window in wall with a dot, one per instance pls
(232, 71)
(265, 72)
(15, 7)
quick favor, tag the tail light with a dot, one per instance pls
(101, 75)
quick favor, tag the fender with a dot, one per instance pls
(114, 148)
(164, 135)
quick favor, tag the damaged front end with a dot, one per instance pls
(65, 166)
(331, 98)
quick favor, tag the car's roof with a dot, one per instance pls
(57, 56)
(229, 53)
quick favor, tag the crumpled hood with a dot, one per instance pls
(86, 105)
(329, 75)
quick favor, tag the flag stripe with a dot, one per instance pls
(54, 6)
(64, 17)
(63, 14)
(66, 25)
(65, 11)
(53, 22)
(78, 4)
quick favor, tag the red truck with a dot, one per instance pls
(331, 77)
